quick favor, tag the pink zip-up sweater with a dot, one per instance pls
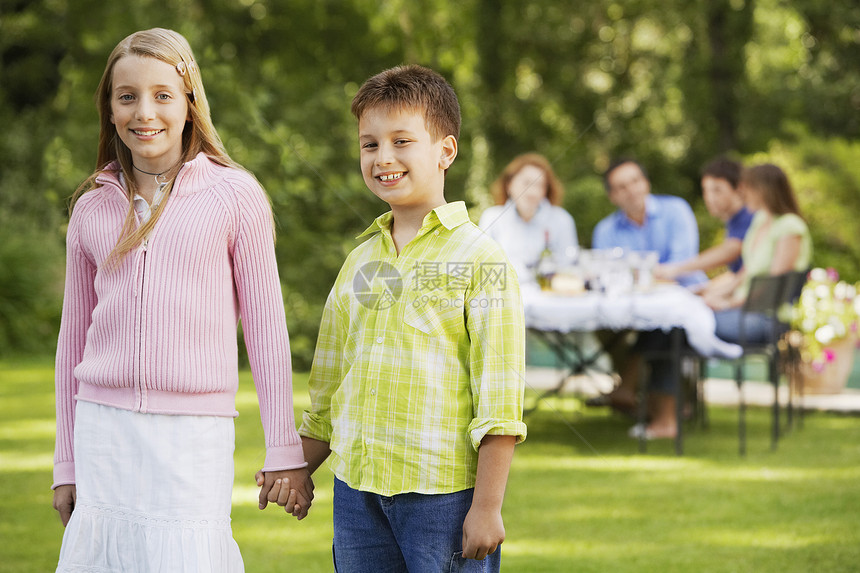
(158, 333)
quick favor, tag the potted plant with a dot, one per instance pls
(824, 326)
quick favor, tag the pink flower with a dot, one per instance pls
(832, 274)
(829, 355)
(818, 365)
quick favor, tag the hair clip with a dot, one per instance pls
(180, 67)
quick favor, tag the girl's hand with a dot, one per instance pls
(291, 489)
(65, 497)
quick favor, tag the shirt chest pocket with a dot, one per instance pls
(437, 313)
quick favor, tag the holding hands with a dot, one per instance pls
(291, 489)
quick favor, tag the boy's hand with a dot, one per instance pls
(65, 497)
(483, 531)
(292, 489)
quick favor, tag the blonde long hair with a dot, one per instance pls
(199, 133)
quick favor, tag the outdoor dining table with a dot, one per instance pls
(669, 307)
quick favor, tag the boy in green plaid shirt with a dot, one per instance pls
(417, 380)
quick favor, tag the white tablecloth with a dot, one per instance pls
(664, 307)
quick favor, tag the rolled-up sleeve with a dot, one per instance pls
(496, 328)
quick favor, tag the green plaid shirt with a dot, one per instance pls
(419, 357)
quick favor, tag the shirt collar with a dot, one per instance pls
(741, 214)
(652, 209)
(543, 210)
(449, 215)
(141, 206)
(652, 206)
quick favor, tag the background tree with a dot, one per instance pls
(671, 82)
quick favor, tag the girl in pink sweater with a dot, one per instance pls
(169, 244)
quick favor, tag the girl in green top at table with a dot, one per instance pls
(777, 242)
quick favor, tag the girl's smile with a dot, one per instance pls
(147, 133)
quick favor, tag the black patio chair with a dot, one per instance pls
(791, 355)
(767, 294)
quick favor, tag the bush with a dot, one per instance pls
(31, 288)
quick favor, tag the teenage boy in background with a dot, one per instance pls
(724, 200)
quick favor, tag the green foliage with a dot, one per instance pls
(673, 83)
(30, 285)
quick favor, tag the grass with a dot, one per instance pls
(579, 497)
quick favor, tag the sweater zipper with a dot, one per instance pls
(140, 327)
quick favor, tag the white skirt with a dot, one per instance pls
(153, 493)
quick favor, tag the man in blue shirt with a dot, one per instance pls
(645, 222)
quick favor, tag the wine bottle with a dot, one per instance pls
(546, 265)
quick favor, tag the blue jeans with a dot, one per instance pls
(410, 532)
(757, 327)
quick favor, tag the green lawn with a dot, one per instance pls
(579, 499)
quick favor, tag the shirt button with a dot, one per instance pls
(379, 340)
(373, 392)
(436, 232)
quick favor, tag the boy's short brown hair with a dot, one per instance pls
(724, 168)
(412, 88)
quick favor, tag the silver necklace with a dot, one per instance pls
(158, 182)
